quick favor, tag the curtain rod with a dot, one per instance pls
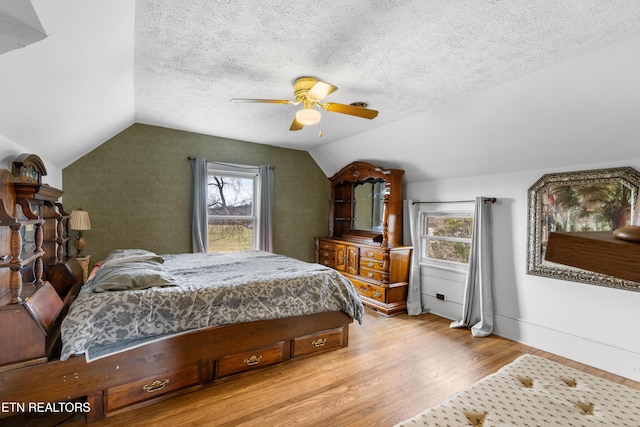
(492, 200)
(226, 164)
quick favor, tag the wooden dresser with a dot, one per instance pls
(365, 235)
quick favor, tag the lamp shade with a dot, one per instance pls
(79, 220)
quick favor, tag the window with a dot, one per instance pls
(446, 239)
(232, 208)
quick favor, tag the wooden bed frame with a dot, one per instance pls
(30, 317)
(174, 365)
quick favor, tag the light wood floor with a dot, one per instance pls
(393, 369)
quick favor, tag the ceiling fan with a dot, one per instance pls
(309, 91)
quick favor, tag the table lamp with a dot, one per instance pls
(80, 221)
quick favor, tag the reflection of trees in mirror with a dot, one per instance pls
(592, 207)
(230, 211)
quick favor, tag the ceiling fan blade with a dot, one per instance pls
(320, 90)
(365, 113)
(264, 101)
(296, 125)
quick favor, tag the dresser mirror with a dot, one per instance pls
(369, 205)
(366, 204)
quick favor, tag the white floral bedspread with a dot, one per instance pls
(213, 289)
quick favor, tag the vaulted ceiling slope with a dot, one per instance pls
(453, 81)
(65, 95)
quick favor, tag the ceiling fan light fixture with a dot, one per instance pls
(308, 116)
(309, 91)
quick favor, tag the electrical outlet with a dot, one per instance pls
(440, 297)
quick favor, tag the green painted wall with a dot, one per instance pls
(136, 188)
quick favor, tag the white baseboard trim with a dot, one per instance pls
(617, 360)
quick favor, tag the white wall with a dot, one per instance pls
(588, 323)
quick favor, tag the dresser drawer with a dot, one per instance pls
(370, 253)
(327, 257)
(324, 245)
(149, 388)
(246, 361)
(371, 264)
(368, 290)
(371, 274)
(325, 340)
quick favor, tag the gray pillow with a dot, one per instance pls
(119, 256)
(132, 275)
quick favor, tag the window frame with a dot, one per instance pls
(425, 260)
(238, 171)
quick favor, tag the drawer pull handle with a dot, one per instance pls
(319, 342)
(157, 385)
(253, 360)
(372, 254)
(362, 289)
(370, 274)
(326, 254)
(377, 293)
(370, 264)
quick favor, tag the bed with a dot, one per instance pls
(147, 327)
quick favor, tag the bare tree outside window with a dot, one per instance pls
(230, 211)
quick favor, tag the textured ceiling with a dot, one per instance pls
(401, 57)
(514, 79)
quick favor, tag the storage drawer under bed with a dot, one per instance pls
(149, 388)
(240, 362)
(314, 343)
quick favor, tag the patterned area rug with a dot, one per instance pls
(534, 391)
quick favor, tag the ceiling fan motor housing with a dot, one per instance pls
(302, 86)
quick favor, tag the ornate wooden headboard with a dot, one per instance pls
(7, 196)
(36, 284)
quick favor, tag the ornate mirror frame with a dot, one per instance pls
(544, 196)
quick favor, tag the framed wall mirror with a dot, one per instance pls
(592, 200)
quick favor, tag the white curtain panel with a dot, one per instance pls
(477, 306)
(414, 300)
